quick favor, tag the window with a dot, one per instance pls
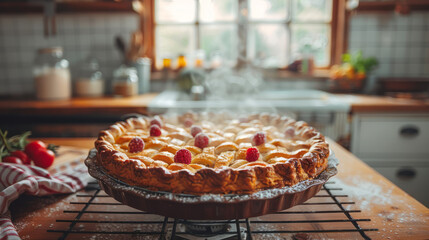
(271, 33)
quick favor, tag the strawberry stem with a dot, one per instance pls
(53, 148)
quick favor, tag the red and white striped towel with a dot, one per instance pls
(17, 179)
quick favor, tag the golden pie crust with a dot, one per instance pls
(221, 167)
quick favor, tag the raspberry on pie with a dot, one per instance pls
(195, 129)
(183, 156)
(252, 154)
(201, 140)
(155, 131)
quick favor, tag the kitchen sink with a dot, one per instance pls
(302, 100)
(324, 111)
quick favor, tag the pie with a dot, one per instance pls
(212, 153)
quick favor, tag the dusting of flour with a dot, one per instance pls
(366, 193)
(388, 209)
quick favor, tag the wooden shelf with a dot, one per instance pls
(25, 7)
(415, 5)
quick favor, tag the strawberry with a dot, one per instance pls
(33, 147)
(43, 158)
(11, 159)
(21, 155)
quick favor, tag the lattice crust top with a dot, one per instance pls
(292, 152)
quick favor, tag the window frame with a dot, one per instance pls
(338, 41)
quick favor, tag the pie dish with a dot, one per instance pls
(209, 206)
(284, 153)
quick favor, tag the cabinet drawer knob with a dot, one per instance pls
(406, 173)
(409, 131)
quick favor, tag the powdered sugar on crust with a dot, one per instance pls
(99, 173)
(283, 162)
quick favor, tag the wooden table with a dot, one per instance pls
(393, 212)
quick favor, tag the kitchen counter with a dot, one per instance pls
(77, 117)
(139, 104)
(394, 213)
(84, 117)
(381, 104)
(104, 105)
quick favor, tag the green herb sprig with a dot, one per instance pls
(17, 142)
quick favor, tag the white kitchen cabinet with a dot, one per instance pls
(397, 146)
(412, 178)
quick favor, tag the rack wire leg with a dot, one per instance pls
(164, 225)
(173, 233)
(237, 225)
(249, 233)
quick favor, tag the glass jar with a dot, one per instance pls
(125, 82)
(142, 66)
(181, 61)
(166, 63)
(52, 75)
(89, 82)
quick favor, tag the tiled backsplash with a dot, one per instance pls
(80, 35)
(400, 43)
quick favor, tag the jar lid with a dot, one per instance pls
(143, 61)
(50, 50)
(125, 71)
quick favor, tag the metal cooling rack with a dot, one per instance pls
(92, 197)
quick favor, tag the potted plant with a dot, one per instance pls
(351, 75)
